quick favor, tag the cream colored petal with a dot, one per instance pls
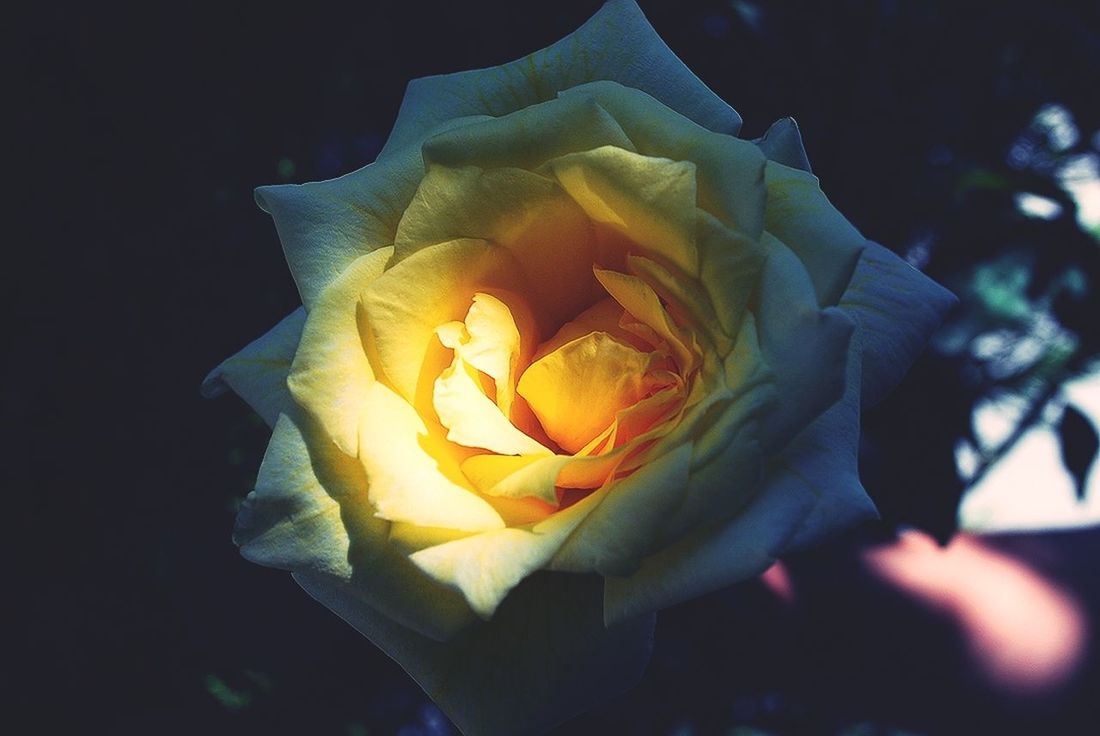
(309, 514)
(324, 226)
(512, 476)
(528, 214)
(650, 200)
(639, 299)
(730, 271)
(406, 483)
(404, 306)
(331, 372)
(729, 171)
(472, 419)
(616, 43)
(528, 138)
(485, 567)
(258, 372)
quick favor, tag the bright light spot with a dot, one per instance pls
(1026, 634)
(967, 458)
(1057, 122)
(1080, 177)
(994, 419)
(1029, 488)
(1033, 205)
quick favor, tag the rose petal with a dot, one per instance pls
(650, 200)
(406, 483)
(782, 143)
(485, 567)
(309, 514)
(639, 299)
(528, 214)
(711, 558)
(473, 420)
(258, 372)
(576, 390)
(324, 226)
(528, 138)
(331, 372)
(802, 217)
(805, 346)
(614, 536)
(405, 305)
(824, 458)
(896, 308)
(616, 43)
(729, 171)
(544, 657)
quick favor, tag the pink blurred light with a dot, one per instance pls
(1024, 633)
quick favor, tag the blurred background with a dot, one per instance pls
(963, 135)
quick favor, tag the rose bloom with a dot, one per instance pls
(570, 352)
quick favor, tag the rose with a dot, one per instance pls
(570, 352)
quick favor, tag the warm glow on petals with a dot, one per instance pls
(486, 566)
(650, 200)
(472, 419)
(576, 390)
(405, 482)
(639, 299)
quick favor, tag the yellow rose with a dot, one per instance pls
(570, 352)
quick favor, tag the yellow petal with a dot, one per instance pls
(331, 373)
(486, 566)
(529, 214)
(650, 200)
(472, 419)
(730, 171)
(406, 483)
(576, 390)
(638, 298)
(405, 305)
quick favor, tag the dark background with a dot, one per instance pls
(138, 262)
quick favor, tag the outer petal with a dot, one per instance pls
(800, 215)
(711, 558)
(730, 170)
(617, 43)
(805, 346)
(326, 225)
(258, 372)
(626, 524)
(782, 143)
(544, 657)
(529, 137)
(650, 200)
(896, 308)
(825, 459)
(309, 514)
(331, 373)
(485, 567)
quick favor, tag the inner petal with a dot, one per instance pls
(576, 390)
(488, 342)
